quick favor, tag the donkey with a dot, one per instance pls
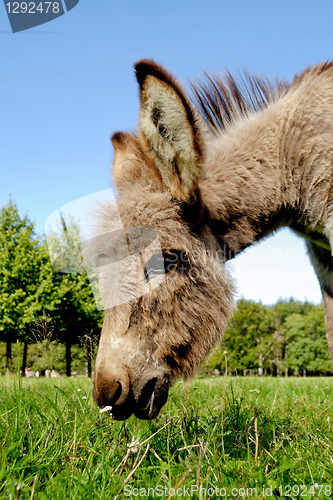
(211, 179)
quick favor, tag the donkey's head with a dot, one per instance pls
(149, 340)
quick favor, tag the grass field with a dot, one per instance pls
(231, 437)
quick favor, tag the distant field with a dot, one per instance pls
(231, 437)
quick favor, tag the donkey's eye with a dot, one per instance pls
(165, 263)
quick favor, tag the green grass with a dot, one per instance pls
(54, 443)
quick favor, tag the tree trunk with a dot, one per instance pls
(260, 363)
(8, 354)
(68, 359)
(24, 359)
(89, 356)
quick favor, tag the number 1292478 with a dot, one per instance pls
(303, 491)
(32, 7)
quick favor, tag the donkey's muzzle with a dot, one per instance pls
(144, 399)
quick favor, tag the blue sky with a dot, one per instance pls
(66, 86)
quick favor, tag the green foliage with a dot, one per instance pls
(47, 352)
(75, 312)
(306, 342)
(30, 287)
(23, 274)
(64, 246)
(289, 335)
(248, 335)
(284, 308)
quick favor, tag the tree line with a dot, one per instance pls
(287, 338)
(37, 303)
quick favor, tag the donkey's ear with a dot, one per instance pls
(168, 123)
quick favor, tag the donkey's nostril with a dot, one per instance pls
(111, 394)
(146, 394)
(150, 396)
(109, 390)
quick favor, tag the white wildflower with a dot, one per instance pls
(106, 408)
(133, 446)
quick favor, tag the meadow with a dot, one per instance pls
(217, 437)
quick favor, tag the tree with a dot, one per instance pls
(290, 335)
(75, 313)
(248, 338)
(30, 287)
(306, 342)
(285, 308)
(22, 277)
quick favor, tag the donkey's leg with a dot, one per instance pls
(322, 262)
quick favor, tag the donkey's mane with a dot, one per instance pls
(223, 99)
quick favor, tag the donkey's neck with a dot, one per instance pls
(245, 190)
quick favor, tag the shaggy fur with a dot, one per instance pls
(211, 181)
